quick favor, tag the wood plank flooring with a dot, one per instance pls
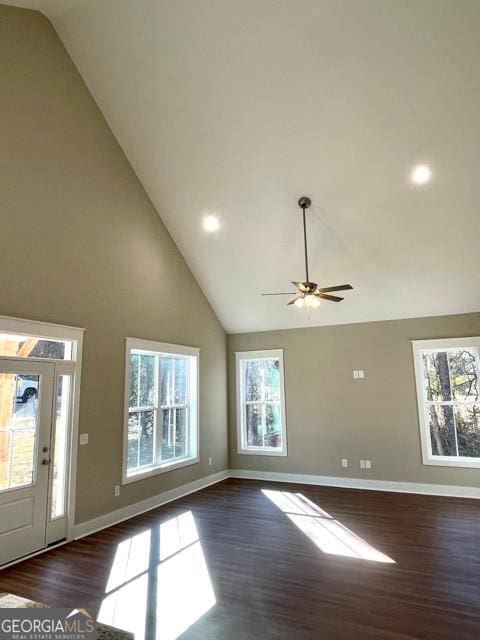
(277, 566)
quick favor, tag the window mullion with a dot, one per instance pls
(159, 420)
(174, 426)
(452, 396)
(174, 434)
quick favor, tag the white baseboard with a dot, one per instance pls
(361, 483)
(119, 515)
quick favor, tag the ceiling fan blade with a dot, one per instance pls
(288, 293)
(340, 287)
(293, 301)
(324, 296)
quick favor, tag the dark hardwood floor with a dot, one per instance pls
(275, 567)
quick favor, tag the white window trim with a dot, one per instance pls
(241, 446)
(418, 347)
(158, 348)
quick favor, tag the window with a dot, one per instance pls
(447, 376)
(161, 408)
(18, 346)
(261, 403)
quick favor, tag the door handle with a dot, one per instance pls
(45, 449)
(45, 462)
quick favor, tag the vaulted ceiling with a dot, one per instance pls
(238, 107)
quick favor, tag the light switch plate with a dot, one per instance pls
(355, 374)
(368, 464)
(344, 462)
(83, 438)
(361, 373)
(362, 464)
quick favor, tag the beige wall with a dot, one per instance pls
(81, 244)
(330, 415)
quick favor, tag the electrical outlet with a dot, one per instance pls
(209, 462)
(368, 464)
(83, 438)
(344, 462)
(117, 490)
(362, 464)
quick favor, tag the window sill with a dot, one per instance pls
(448, 461)
(263, 452)
(155, 471)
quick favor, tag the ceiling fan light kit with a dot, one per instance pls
(309, 294)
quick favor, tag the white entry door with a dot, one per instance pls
(26, 406)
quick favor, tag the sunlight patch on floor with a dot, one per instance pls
(330, 535)
(160, 574)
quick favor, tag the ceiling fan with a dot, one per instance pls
(308, 293)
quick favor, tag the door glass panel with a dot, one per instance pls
(18, 429)
(27, 347)
(59, 468)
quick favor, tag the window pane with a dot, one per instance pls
(467, 418)
(273, 425)
(463, 373)
(180, 394)
(168, 434)
(166, 380)
(27, 347)
(173, 380)
(18, 428)
(254, 424)
(262, 379)
(142, 380)
(140, 439)
(272, 380)
(134, 370)
(264, 425)
(147, 381)
(436, 376)
(174, 434)
(442, 430)
(181, 433)
(60, 447)
(253, 379)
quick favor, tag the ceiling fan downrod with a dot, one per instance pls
(304, 202)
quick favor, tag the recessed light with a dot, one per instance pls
(211, 223)
(421, 174)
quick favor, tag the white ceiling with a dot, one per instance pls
(240, 106)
